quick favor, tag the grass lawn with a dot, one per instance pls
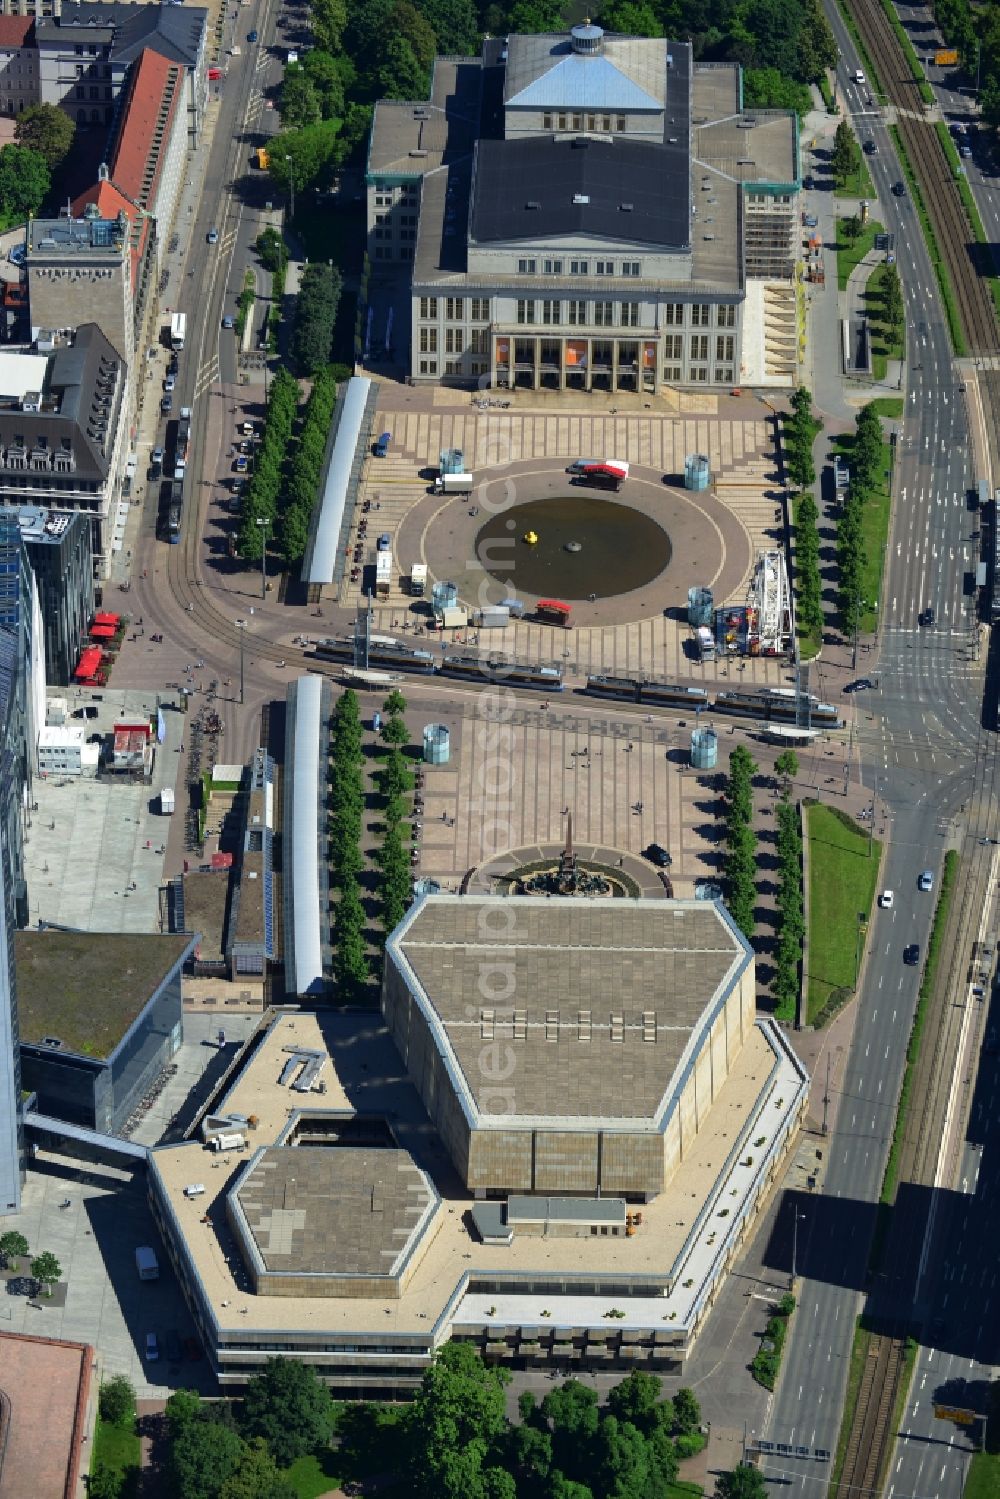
(680, 1489)
(841, 886)
(858, 185)
(314, 1474)
(849, 254)
(884, 345)
(891, 407)
(117, 1447)
(983, 1481)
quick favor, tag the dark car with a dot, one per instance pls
(174, 365)
(871, 147)
(898, 188)
(251, 36)
(384, 542)
(911, 954)
(859, 686)
(167, 404)
(927, 617)
(657, 854)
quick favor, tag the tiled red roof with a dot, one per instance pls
(110, 202)
(15, 31)
(151, 102)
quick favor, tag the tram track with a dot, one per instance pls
(938, 188)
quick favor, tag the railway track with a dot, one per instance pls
(871, 1436)
(959, 251)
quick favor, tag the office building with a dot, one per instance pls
(101, 1018)
(582, 212)
(13, 902)
(18, 64)
(63, 423)
(59, 548)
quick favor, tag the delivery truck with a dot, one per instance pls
(383, 573)
(146, 1263)
(167, 801)
(178, 330)
(418, 579)
(706, 644)
(453, 484)
(493, 618)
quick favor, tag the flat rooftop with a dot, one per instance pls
(20, 373)
(47, 1382)
(334, 1210)
(581, 1051)
(363, 1071)
(206, 900)
(758, 145)
(87, 988)
(412, 137)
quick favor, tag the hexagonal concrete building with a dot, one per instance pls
(564, 1045)
(331, 1219)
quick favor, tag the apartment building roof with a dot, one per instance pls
(109, 201)
(16, 31)
(173, 30)
(75, 416)
(152, 99)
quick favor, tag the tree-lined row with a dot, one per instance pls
(741, 841)
(262, 495)
(306, 468)
(800, 429)
(791, 901)
(975, 31)
(866, 464)
(395, 783)
(347, 795)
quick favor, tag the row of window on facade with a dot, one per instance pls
(528, 266)
(386, 199)
(594, 122)
(673, 374)
(575, 311)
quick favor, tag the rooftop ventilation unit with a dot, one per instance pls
(532, 204)
(579, 198)
(626, 207)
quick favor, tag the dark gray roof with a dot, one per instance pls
(84, 385)
(173, 30)
(581, 186)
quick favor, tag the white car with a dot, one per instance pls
(926, 880)
(886, 899)
(859, 77)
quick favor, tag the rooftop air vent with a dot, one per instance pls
(626, 207)
(531, 203)
(53, 1042)
(579, 198)
(588, 39)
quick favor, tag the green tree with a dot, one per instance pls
(182, 1407)
(300, 103)
(787, 766)
(46, 1269)
(289, 1407)
(47, 130)
(845, 157)
(567, 1488)
(455, 1421)
(13, 1247)
(116, 1401)
(315, 317)
(202, 1456)
(256, 1476)
(744, 1482)
(631, 18)
(350, 964)
(24, 182)
(394, 731)
(572, 1410)
(327, 76)
(766, 88)
(328, 19)
(892, 300)
(395, 703)
(530, 1456)
(454, 24)
(105, 1482)
(635, 1399)
(302, 156)
(686, 1411)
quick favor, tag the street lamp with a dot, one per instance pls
(291, 185)
(241, 625)
(263, 523)
(796, 1216)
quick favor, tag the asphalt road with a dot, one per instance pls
(920, 734)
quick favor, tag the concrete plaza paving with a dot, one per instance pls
(93, 850)
(95, 1237)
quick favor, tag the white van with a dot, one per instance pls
(859, 77)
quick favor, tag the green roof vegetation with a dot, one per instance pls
(88, 987)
